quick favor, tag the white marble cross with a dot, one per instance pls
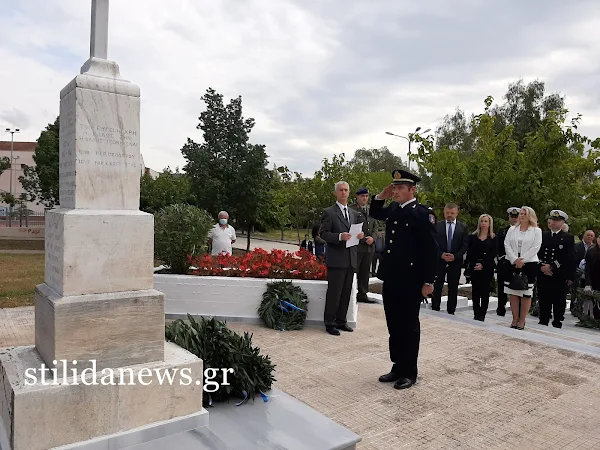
(99, 33)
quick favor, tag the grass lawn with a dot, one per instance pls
(288, 235)
(7, 244)
(20, 274)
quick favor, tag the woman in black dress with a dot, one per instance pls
(481, 263)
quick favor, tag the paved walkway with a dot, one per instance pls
(481, 385)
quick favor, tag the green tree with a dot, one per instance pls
(41, 181)
(167, 189)
(377, 160)
(6, 197)
(277, 212)
(226, 171)
(4, 164)
(555, 168)
(180, 231)
(526, 106)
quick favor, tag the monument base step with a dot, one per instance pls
(280, 423)
(39, 411)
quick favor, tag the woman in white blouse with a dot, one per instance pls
(522, 244)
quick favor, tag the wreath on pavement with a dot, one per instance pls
(283, 306)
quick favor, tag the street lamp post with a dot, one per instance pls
(12, 160)
(409, 139)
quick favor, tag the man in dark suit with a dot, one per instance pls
(557, 269)
(453, 239)
(366, 247)
(407, 270)
(513, 219)
(581, 248)
(341, 260)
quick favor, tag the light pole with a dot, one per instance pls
(409, 139)
(12, 161)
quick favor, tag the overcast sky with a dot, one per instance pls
(320, 77)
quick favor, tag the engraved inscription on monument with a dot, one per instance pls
(100, 158)
(54, 251)
(67, 150)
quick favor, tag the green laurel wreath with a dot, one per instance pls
(283, 306)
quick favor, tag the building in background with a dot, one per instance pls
(22, 156)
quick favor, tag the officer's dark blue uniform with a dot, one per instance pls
(557, 250)
(409, 261)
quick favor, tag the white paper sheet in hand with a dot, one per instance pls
(355, 228)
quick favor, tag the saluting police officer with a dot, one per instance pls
(407, 270)
(557, 269)
(503, 267)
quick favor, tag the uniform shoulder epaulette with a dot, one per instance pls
(425, 207)
(426, 212)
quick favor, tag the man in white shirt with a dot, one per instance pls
(222, 236)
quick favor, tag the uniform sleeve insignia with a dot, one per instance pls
(432, 218)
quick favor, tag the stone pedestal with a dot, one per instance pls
(113, 330)
(40, 412)
(97, 311)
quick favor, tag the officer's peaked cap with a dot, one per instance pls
(400, 176)
(513, 211)
(558, 215)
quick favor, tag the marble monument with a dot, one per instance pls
(97, 308)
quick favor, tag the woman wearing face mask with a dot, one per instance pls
(222, 236)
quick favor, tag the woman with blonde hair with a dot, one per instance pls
(522, 244)
(480, 261)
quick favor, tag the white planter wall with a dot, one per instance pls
(237, 299)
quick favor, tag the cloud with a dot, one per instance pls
(319, 77)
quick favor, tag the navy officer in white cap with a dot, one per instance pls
(557, 269)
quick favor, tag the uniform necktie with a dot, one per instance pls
(449, 244)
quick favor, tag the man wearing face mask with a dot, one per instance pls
(222, 236)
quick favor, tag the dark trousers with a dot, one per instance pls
(363, 272)
(337, 299)
(551, 298)
(481, 284)
(377, 256)
(402, 304)
(502, 297)
(452, 271)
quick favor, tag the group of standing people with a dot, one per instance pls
(419, 254)
(407, 266)
(523, 257)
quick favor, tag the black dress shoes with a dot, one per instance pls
(344, 328)
(332, 330)
(404, 383)
(366, 300)
(389, 377)
(557, 324)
